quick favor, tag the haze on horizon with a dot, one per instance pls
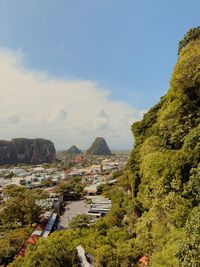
(74, 70)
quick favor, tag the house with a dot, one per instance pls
(96, 168)
(65, 174)
(93, 188)
(4, 172)
(5, 182)
(32, 240)
(39, 169)
(143, 261)
(40, 231)
(17, 170)
(91, 178)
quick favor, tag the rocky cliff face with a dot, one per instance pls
(28, 151)
(99, 147)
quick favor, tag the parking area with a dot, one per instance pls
(72, 209)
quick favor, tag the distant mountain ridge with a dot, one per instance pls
(99, 147)
(74, 150)
(28, 151)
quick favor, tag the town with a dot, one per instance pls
(47, 175)
(71, 188)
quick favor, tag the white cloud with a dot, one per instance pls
(33, 104)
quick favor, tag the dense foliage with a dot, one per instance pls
(73, 185)
(57, 251)
(20, 208)
(18, 213)
(11, 243)
(191, 35)
(165, 160)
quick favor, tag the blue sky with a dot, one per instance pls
(126, 47)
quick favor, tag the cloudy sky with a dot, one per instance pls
(74, 70)
(34, 104)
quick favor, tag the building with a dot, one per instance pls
(93, 188)
(143, 261)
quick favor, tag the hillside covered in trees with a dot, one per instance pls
(155, 209)
(165, 167)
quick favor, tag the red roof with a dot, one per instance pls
(143, 261)
(67, 170)
(22, 252)
(32, 239)
(50, 190)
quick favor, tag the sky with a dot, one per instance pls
(72, 70)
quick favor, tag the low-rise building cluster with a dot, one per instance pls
(99, 171)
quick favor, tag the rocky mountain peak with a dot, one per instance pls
(99, 147)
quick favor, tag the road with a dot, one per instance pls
(72, 209)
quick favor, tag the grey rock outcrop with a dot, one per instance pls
(28, 151)
(99, 147)
(74, 150)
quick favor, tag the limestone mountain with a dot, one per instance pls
(99, 147)
(28, 151)
(73, 150)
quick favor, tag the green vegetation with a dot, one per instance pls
(165, 162)
(81, 221)
(17, 216)
(21, 209)
(11, 243)
(189, 248)
(191, 35)
(73, 185)
(57, 251)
